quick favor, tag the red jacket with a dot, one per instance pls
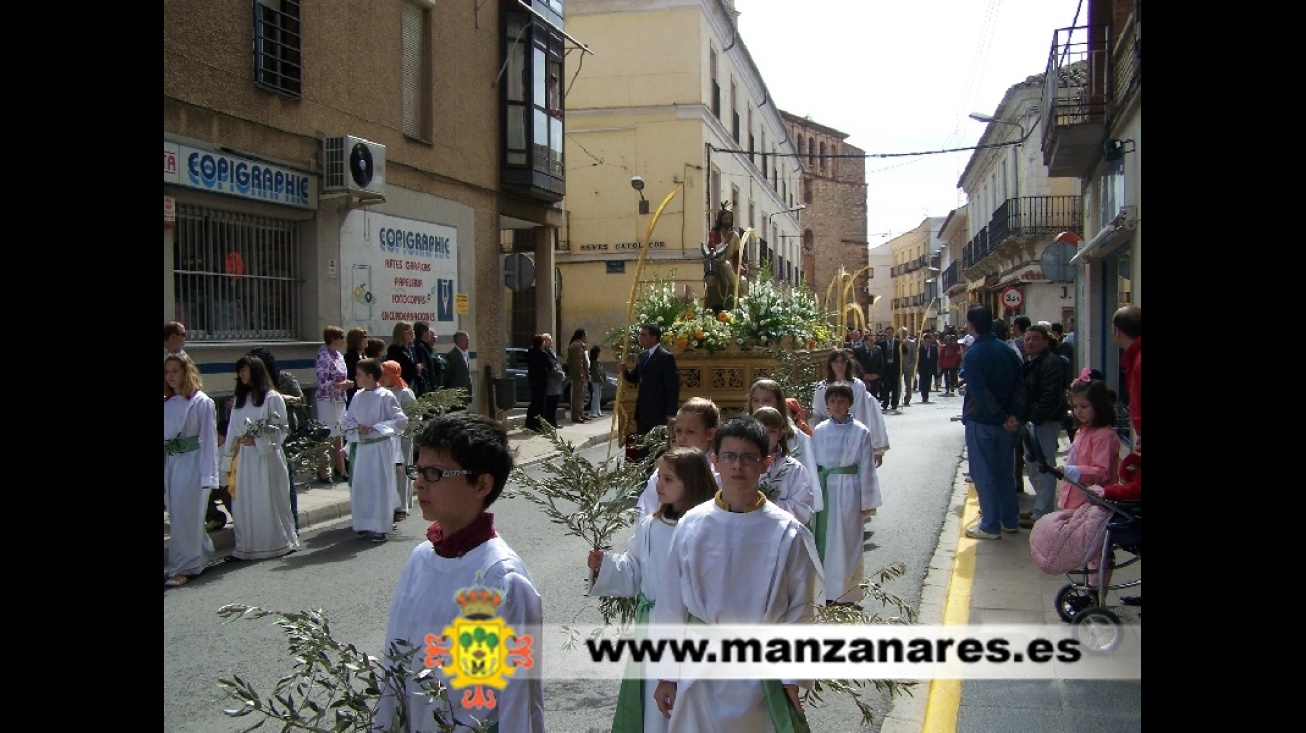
(1133, 363)
(949, 356)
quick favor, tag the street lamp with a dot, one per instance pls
(637, 183)
(1016, 124)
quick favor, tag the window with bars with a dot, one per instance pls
(235, 276)
(415, 74)
(277, 62)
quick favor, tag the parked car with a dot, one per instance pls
(515, 368)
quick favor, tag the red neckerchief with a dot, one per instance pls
(464, 540)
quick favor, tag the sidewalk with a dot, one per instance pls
(997, 582)
(321, 504)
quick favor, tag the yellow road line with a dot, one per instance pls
(945, 695)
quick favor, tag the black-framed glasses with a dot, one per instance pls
(431, 474)
(748, 459)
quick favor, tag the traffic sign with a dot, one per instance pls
(1012, 297)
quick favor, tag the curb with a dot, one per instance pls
(907, 713)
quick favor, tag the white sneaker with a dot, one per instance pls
(975, 533)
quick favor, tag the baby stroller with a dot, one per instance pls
(1082, 603)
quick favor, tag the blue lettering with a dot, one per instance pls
(241, 177)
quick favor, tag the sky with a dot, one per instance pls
(901, 77)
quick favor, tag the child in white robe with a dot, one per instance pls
(264, 522)
(841, 367)
(785, 481)
(768, 393)
(685, 480)
(190, 468)
(403, 442)
(373, 418)
(852, 491)
(771, 577)
(696, 422)
(463, 463)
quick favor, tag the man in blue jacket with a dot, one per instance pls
(992, 410)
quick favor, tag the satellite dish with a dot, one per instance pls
(1055, 262)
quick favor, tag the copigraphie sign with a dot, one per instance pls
(397, 269)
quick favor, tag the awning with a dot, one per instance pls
(1119, 227)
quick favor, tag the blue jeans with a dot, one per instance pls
(1045, 484)
(991, 450)
(596, 399)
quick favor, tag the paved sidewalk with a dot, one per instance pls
(997, 582)
(321, 504)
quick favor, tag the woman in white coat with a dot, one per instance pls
(264, 523)
(190, 467)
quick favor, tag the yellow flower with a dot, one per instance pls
(723, 316)
(683, 342)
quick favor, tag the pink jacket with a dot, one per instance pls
(1067, 540)
(1096, 453)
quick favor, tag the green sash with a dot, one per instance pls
(818, 521)
(353, 448)
(180, 444)
(784, 716)
(630, 696)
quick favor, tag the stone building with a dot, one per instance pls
(833, 186)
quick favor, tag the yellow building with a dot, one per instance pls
(914, 276)
(670, 96)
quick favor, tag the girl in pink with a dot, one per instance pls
(1095, 453)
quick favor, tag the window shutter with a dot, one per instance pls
(412, 70)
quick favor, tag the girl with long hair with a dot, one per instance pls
(785, 482)
(190, 467)
(1095, 452)
(685, 481)
(260, 492)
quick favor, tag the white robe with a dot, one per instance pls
(787, 483)
(801, 448)
(264, 526)
(866, 409)
(403, 456)
(847, 496)
(638, 570)
(372, 492)
(735, 568)
(424, 604)
(187, 480)
(648, 501)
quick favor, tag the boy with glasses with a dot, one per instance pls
(850, 492)
(738, 559)
(463, 463)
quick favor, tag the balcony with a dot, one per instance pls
(1024, 221)
(1093, 74)
(1077, 94)
(952, 278)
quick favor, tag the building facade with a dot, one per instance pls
(671, 95)
(1092, 129)
(348, 172)
(954, 234)
(1016, 210)
(833, 187)
(914, 302)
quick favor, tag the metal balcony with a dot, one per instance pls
(952, 277)
(1035, 216)
(1077, 93)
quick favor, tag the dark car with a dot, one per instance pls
(515, 368)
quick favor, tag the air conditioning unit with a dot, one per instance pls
(354, 165)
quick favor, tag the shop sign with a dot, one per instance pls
(233, 175)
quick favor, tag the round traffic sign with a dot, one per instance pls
(1012, 297)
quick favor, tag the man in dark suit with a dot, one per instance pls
(658, 379)
(871, 360)
(458, 370)
(431, 376)
(891, 380)
(927, 364)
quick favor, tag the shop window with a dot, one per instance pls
(277, 62)
(235, 276)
